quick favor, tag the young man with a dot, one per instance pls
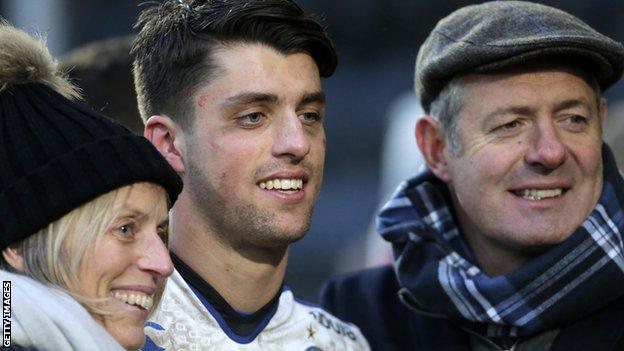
(511, 239)
(231, 95)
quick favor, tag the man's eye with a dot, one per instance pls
(576, 123)
(507, 127)
(511, 125)
(576, 119)
(253, 118)
(310, 117)
(250, 119)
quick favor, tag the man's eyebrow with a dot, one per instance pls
(527, 111)
(311, 98)
(569, 104)
(511, 110)
(245, 98)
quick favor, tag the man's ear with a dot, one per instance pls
(431, 142)
(602, 111)
(168, 138)
(13, 255)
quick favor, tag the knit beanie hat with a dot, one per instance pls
(56, 154)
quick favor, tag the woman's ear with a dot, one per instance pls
(13, 256)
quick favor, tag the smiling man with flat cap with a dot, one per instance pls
(512, 236)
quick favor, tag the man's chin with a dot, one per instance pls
(274, 244)
(535, 243)
(286, 236)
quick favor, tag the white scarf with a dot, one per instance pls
(49, 319)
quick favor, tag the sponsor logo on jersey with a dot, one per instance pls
(333, 324)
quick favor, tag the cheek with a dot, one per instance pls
(89, 274)
(99, 269)
(228, 165)
(318, 147)
(87, 280)
(316, 158)
(323, 144)
(590, 159)
(323, 139)
(483, 177)
(318, 143)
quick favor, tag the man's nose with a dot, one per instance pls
(291, 139)
(547, 150)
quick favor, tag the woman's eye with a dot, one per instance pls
(126, 230)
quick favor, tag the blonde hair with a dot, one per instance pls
(54, 254)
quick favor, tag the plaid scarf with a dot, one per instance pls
(438, 275)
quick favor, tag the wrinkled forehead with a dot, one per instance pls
(573, 65)
(477, 98)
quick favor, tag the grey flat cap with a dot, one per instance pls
(495, 35)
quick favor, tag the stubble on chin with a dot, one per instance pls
(239, 224)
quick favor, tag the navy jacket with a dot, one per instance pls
(369, 300)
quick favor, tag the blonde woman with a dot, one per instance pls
(84, 205)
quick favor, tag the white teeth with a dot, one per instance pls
(282, 184)
(538, 194)
(140, 300)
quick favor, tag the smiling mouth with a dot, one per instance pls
(538, 194)
(282, 185)
(140, 300)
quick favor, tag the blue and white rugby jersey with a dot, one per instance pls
(186, 321)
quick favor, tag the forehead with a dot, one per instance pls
(535, 89)
(260, 68)
(142, 198)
